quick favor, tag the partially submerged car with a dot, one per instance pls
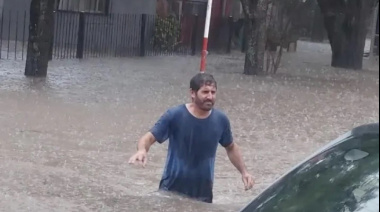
(341, 177)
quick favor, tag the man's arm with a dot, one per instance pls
(160, 132)
(235, 156)
(143, 147)
(146, 142)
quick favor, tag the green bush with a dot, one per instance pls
(166, 33)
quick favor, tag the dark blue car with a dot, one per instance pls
(342, 177)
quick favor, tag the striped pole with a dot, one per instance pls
(205, 38)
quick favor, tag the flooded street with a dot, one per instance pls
(65, 140)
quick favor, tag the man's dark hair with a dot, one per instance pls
(200, 80)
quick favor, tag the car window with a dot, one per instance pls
(344, 178)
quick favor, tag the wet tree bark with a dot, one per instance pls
(255, 12)
(250, 65)
(41, 32)
(347, 22)
(261, 20)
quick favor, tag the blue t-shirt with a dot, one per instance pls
(193, 144)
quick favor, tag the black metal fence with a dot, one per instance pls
(85, 35)
(13, 34)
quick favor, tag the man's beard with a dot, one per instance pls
(204, 105)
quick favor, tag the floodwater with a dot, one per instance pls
(65, 140)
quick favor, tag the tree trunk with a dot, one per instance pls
(262, 10)
(255, 12)
(251, 65)
(374, 29)
(41, 32)
(318, 28)
(347, 24)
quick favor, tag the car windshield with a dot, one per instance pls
(344, 178)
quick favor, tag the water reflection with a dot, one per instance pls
(36, 83)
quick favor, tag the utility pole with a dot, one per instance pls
(205, 39)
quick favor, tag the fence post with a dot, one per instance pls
(142, 35)
(51, 48)
(52, 38)
(194, 36)
(230, 34)
(81, 31)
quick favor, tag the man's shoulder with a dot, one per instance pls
(176, 110)
(220, 114)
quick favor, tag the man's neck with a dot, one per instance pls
(197, 112)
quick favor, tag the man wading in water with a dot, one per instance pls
(194, 131)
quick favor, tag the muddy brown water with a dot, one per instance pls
(65, 141)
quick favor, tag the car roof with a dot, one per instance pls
(368, 129)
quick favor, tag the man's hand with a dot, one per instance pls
(248, 181)
(143, 146)
(140, 157)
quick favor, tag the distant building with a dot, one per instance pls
(18, 10)
(185, 11)
(104, 26)
(91, 6)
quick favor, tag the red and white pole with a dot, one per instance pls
(205, 38)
